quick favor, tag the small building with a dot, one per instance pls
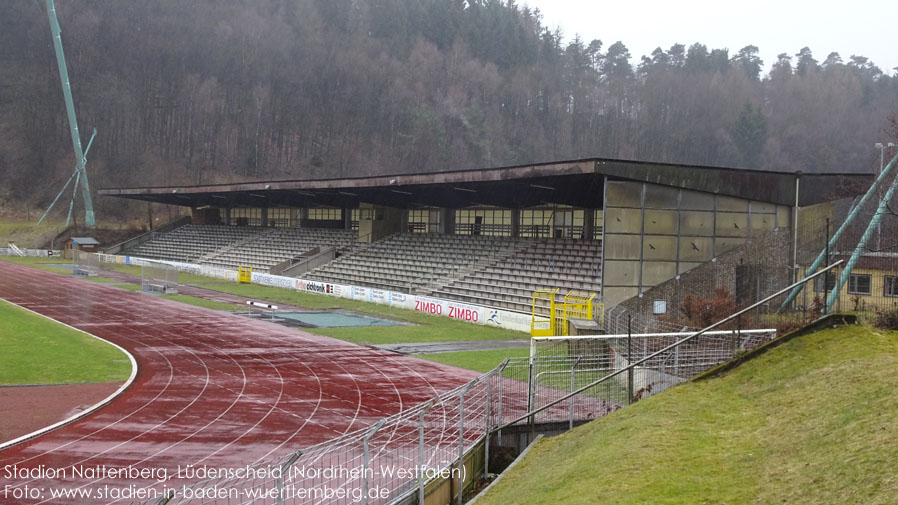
(871, 287)
(86, 244)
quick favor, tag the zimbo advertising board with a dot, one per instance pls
(456, 310)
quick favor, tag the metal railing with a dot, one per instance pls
(632, 366)
(435, 438)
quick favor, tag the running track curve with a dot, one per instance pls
(212, 388)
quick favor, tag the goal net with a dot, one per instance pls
(159, 277)
(85, 263)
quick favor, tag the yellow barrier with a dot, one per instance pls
(245, 275)
(582, 305)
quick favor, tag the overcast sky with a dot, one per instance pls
(775, 26)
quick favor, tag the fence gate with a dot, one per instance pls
(542, 322)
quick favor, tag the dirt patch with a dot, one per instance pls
(29, 408)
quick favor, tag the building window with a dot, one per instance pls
(424, 221)
(890, 286)
(599, 220)
(279, 217)
(536, 223)
(244, 216)
(659, 307)
(859, 284)
(557, 222)
(326, 214)
(495, 222)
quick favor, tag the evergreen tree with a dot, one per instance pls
(749, 133)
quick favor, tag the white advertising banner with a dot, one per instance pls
(476, 314)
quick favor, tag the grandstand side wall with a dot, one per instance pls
(654, 233)
(764, 269)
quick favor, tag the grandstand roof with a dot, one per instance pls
(577, 183)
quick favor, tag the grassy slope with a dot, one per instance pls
(25, 233)
(810, 422)
(35, 350)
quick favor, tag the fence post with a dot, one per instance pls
(737, 337)
(826, 264)
(629, 361)
(573, 369)
(486, 439)
(366, 455)
(461, 438)
(499, 409)
(421, 415)
(284, 469)
(677, 360)
(461, 444)
(530, 388)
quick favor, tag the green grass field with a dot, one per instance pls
(810, 422)
(202, 302)
(480, 361)
(183, 278)
(424, 327)
(36, 350)
(427, 327)
(128, 287)
(41, 263)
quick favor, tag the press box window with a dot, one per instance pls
(859, 284)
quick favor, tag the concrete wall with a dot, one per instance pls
(206, 216)
(376, 222)
(653, 233)
(765, 269)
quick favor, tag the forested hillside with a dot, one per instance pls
(208, 91)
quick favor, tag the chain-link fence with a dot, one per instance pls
(85, 263)
(159, 277)
(401, 455)
(647, 364)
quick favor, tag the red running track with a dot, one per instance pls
(212, 388)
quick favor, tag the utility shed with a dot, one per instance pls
(86, 244)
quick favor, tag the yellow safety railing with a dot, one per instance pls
(582, 305)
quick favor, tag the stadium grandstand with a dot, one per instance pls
(488, 236)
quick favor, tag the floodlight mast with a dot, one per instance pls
(80, 174)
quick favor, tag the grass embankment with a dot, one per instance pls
(36, 350)
(810, 422)
(27, 233)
